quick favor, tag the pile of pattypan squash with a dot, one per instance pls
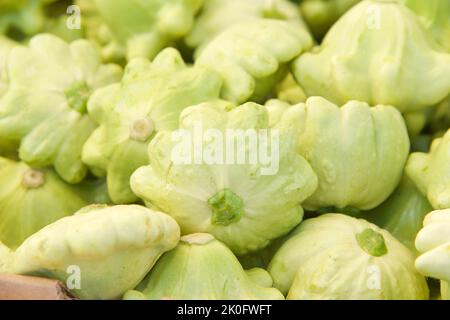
(227, 149)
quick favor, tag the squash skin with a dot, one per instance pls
(431, 172)
(435, 17)
(323, 260)
(191, 192)
(26, 206)
(389, 48)
(201, 270)
(112, 247)
(433, 242)
(252, 57)
(51, 123)
(148, 99)
(358, 152)
(141, 29)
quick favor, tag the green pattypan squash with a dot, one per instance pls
(149, 99)
(111, 249)
(44, 107)
(202, 268)
(320, 15)
(338, 257)
(435, 16)
(402, 213)
(358, 153)
(31, 199)
(431, 172)
(386, 57)
(142, 28)
(217, 189)
(218, 15)
(252, 56)
(433, 241)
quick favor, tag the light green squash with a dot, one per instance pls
(218, 15)
(44, 107)
(149, 99)
(386, 57)
(30, 199)
(358, 153)
(336, 257)
(433, 241)
(435, 16)
(431, 172)
(100, 252)
(202, 268)
(243, 203)
(252, 57)
(143, 28)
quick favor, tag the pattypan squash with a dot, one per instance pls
(109, 249)
(433, 241)
(431, 172)
(149, 99)
(338, 257)
(211, 180)
(402, 213)
(253, 56)
(435, 16)
(385, 57)
(358, 153)
(142, 28)
(203, 268)
(320, 15)
(30, 199)
(217, 15)
(44, 107)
